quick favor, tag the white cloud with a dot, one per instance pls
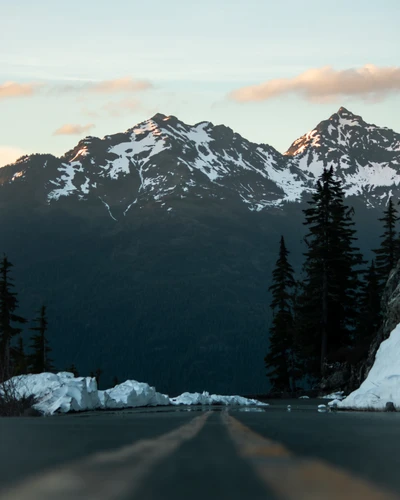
(9, 154)
(326, 84)
(73, 129)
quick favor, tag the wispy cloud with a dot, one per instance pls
(119, 108)
(125, 85)
(119, 85)
(326, 84)
(116, 86)
(71, 129)
(9, 154)
(14, 89)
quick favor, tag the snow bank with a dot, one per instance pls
(58, 392)
(335, 395)
(62, 392)
(195, 398)
(130, 394)
(383, 382)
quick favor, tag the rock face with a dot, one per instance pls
(349, 377)
(391, 318)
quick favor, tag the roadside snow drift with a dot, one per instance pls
(195, 398)
(57, 392)
(62, 392)
(383, 382)
(130, 394)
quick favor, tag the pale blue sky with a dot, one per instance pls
(194, 55)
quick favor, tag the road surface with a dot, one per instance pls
(202, 453)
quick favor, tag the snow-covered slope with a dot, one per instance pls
(163, 160)
(366, 157)
(382, 384)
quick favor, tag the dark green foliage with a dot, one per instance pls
(97, 374)
(329, 299)
(370, 317)
(73, 369)
(19, 358)
(387, 254)
(39, 360)
(281, 359)
(8, 319)
(12, 405)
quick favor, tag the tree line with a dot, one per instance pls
(332, 311)
(14, 360)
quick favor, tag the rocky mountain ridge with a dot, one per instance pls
(153, 248)
(163, 159)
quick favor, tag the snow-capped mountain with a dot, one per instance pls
(176, 291)
(163, 159)
(366, 157)
(159, 160)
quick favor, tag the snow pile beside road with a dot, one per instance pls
(130, 394)
(335, 395)
(62, 392)
(195, 398)
(383, 382)
(57, 392)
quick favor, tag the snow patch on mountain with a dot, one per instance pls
(163, 158)
(65, 182)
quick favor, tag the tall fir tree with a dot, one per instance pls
(19, 358)
(388, 252)
(370, 317)
(329, 299)
(8, 318)
(281, 358)
(39, 360)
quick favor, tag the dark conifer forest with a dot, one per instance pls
(331, 311)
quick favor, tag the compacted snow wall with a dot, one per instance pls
(382, 384)
(62, 392)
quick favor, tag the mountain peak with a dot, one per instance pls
(159, 117)
(342, 111)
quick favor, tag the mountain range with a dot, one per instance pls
(153, 248)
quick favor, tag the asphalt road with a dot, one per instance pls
(203, 453)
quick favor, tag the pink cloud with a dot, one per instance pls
(14, 89)
(325, 84)
(119, 85)
(70, 129)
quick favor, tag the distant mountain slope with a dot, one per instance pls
(153, 248)
(163, 159)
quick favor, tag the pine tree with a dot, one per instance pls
(329, 300)
(280, 360)
(388, 252)
(39, 360)
(73, 369)
(8, 306)
(370, 317)
(19, 358)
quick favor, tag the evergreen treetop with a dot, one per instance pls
(8, 317)
(388, 252)
(329, 300)
(280, 360)
(39, 360)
